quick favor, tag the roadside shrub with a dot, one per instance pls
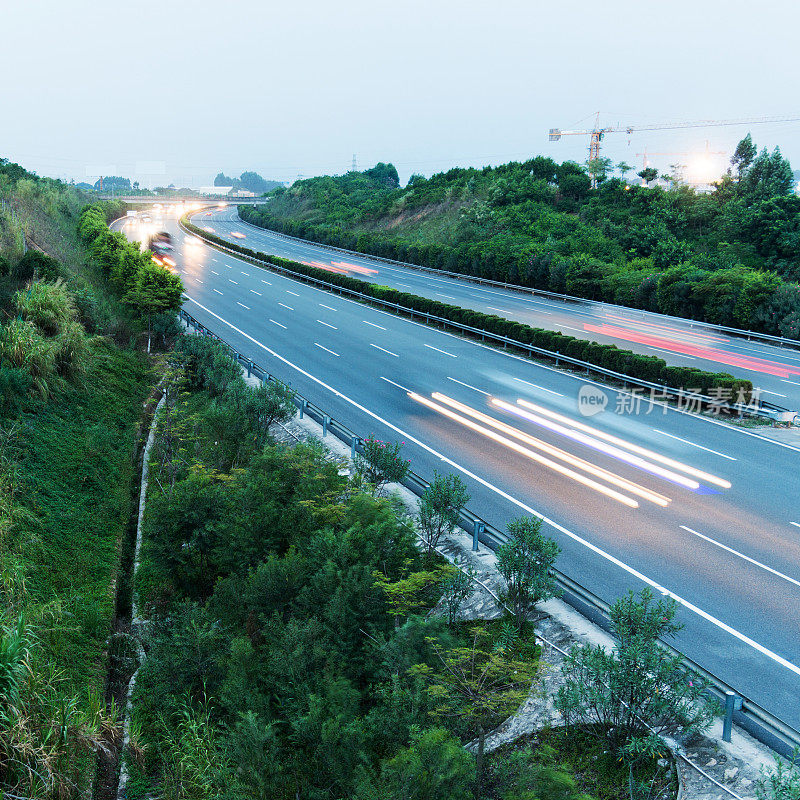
(49, 306)
(39, 265)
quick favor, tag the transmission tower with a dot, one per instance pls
(354, 168)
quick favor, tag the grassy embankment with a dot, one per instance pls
(72, 394)
(728, 257)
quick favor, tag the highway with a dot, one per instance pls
(647, 496)
(773, 369)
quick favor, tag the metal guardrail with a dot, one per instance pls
(764, 409)
(740, 332)
(757, 721)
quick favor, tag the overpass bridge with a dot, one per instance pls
(149, 200)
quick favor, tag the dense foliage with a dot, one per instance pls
(648, 368)
(250, 181)
(291, 650)
(69, 404)
(728, 257)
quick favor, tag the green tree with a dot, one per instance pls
(478, 685)
(648, 174)
(743, 156)
(380, 463)
(525, 561)
(624, 168)
(456, 587)
(434, 767)
(439, 508)
(638, 688)
(154, 290)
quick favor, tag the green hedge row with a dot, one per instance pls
(609, 356)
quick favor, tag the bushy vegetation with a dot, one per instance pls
(70, 401)
(292, 646)
(649, 368)
(728, 257)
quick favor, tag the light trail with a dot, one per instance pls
(635, 448)
(524, 451)
(557, 452)
(597, 444)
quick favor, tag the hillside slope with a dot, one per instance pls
(729, 257)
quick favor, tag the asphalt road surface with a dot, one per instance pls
(634, 496)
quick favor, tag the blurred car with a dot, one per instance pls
(237, 235)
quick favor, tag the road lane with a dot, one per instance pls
(774, 369)
(752, 518)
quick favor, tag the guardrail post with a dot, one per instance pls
(477, 529)
(353, 443)
(326, 420)
(302, 408)
(249, 367)
(732, 703)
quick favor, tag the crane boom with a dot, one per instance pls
(597, 133)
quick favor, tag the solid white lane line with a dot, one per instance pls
(328, 307)
(233, 282)
(328, 324)
(326, 349)
(718, 623)
(373, 324)
(242, 305)
(742, 555)
(694, 444)
(255, 292)
(278, 324)
(468, 386)
(440, 351)
(794, 383)
(536, 386)
(217, 291)
(395, 384)
(777, 394)
(198, 280)
(294, 293)
(285, 306)
(384, 350)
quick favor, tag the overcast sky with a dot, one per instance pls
(289, 88)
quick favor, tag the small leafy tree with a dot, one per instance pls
(648, 174)
(525, 561)
(639, 688)
(479, 685)
(782, 782)
(439, 507)
(456, 587)
(380, 463)
(434, 767)
(408, 595)
(153, 291)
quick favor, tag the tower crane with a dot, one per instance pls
(597, 134)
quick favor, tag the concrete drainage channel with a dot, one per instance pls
(749, 716)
